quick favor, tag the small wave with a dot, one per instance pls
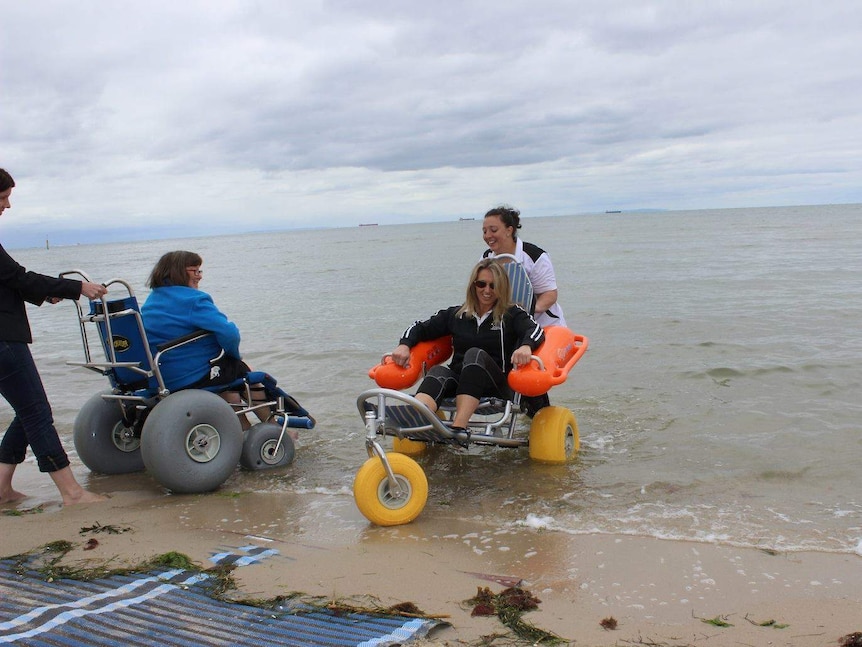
(784, 475)
(328, 491)
(537, 522)
(780, 545)
(723, 374)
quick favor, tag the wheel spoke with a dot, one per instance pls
(391, 500)
(269, 454)
(124, 438)
(203, 443)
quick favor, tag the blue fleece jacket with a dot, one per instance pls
(174, 311)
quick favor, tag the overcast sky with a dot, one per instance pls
(200, 117)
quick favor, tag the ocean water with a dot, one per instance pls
(719, 400)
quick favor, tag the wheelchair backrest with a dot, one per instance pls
(121, 332)
(520, 284)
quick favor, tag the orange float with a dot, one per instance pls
(560, 351)
(423, 356)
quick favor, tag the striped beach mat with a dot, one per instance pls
(171, 607)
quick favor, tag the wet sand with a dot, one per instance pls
(658, 592)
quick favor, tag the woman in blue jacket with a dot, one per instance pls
(489, 336)
(176, 307)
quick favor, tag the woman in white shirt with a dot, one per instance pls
(499, 229)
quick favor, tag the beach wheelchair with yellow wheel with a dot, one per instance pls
(391, 487)
(189, 440)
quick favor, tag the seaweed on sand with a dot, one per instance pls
(509, 605)
(46, 560)
(20, 512)
(768, 623)
(109, 529)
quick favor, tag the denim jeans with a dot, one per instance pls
(33, 424)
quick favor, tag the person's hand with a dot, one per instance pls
(522, 355)
(93, 290)
(401, 355)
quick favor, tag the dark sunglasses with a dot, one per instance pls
(483, 284)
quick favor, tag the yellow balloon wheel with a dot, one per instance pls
(408, 447)
(375, 498)
(554, 436)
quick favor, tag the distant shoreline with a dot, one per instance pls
(13, 236)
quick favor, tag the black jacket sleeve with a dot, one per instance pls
(34, 287)
(18, 285)
(528, 331)
(437, 326)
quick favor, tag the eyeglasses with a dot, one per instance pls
(483, 284)
(195, 271)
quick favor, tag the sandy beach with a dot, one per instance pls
(657, 592)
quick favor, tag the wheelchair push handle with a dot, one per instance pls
(82, 275)
(74, 273)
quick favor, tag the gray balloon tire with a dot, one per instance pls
(165, 438)
(95, 433)
(258, 439)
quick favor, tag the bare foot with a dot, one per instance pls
(12, 496)
(83, 497)
(71, 490)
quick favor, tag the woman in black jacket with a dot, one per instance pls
(489, 336)
(20, 383)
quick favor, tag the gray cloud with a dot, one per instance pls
(292, 112)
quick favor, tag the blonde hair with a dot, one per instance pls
(501, 288)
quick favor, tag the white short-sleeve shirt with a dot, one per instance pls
(539, 268)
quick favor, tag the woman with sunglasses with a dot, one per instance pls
(177, 307)
(489, 336)
(20, 383)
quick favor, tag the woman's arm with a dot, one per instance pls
(437, 326)
(208, 317)
(545, 300)
(34, 287)
(529, 333)
(544, 281)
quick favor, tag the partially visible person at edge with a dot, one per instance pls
(490, 336)
(177, 307)
(499, 229)
(20, 383)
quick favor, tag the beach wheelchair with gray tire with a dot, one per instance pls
(391, 487)
(189, 440)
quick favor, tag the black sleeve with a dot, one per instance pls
(34, 287)
(529, 332)
(437, 326)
